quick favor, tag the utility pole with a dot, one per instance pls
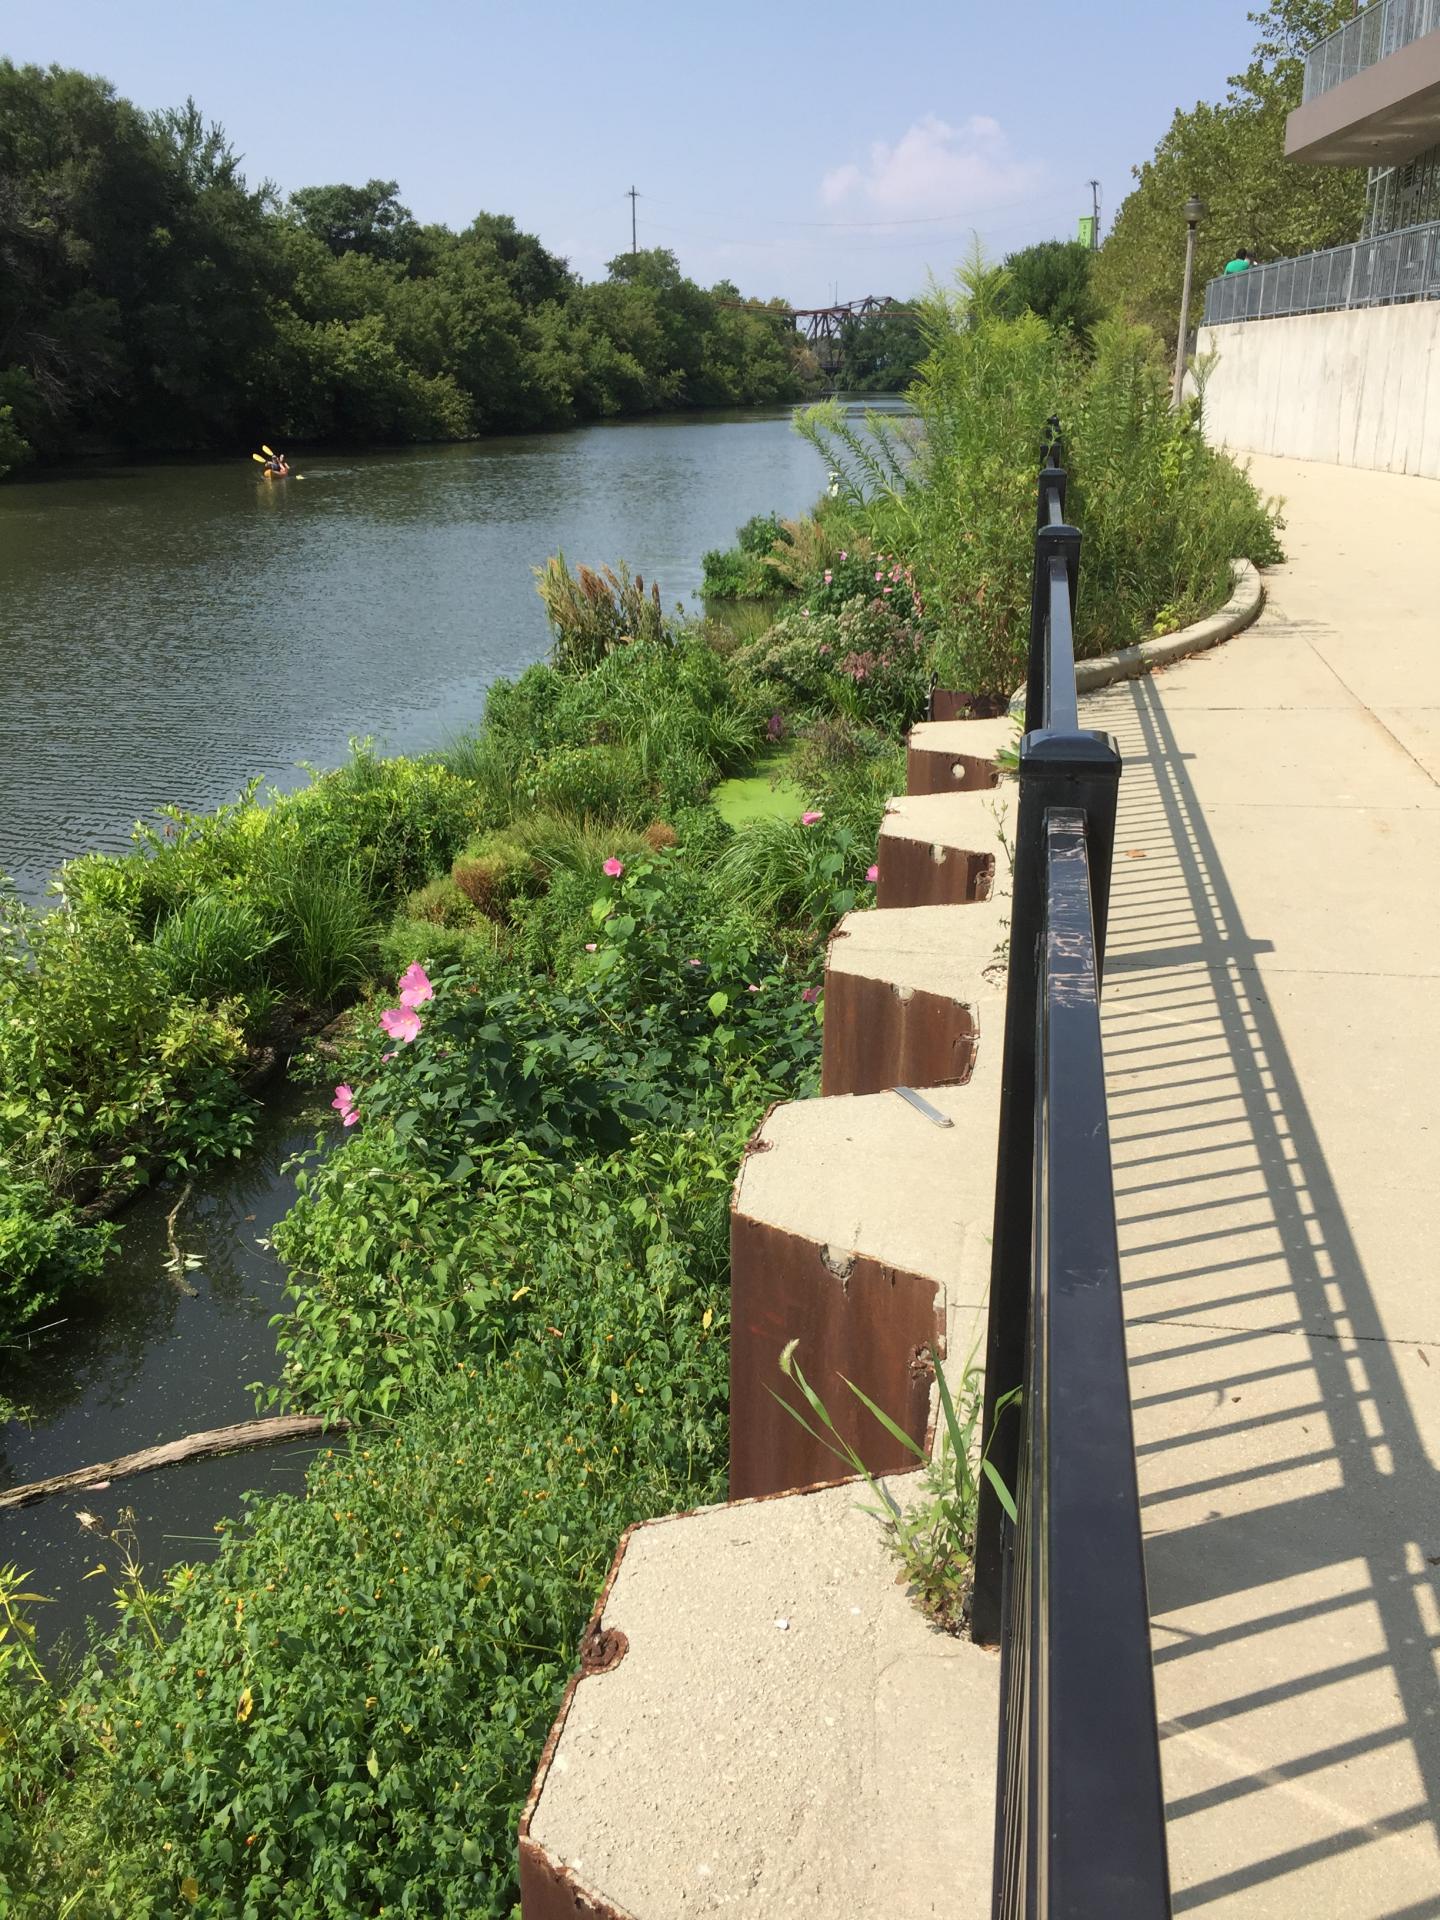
(1095, 202)
(633, 248)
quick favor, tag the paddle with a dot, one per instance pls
(259, 458)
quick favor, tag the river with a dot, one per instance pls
(166, 633)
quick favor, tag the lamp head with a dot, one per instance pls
(1195, 211)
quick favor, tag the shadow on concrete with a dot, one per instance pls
(1292, 1512)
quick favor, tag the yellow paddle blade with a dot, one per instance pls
(270, 450)
(258, 456)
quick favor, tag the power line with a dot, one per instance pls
(633, 248)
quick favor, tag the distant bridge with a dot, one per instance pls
(824, 327)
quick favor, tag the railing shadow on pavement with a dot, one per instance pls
(1282, 1467)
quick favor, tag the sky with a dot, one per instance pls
(811, 152)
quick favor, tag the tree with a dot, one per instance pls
(368, 219)
(1053, 279)
(1233, 156)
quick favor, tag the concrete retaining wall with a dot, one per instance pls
(1359, 388)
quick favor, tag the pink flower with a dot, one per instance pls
(804, 613)
(887, 589)
(809, 995)
(828, 576)
(752, 989)
(872, 874)
(613, 868)
(415, 987)
(344, 1104)
(844, 556)
(401, 1023)
(692, 963)
(387, 1056)
(590, 946)
(879, 576)
(809, 819)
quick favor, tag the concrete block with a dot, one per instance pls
(764, 1724)
(856, 1224)
(956, 756)
(942, 850)
(903, 996)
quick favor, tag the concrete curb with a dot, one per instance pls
(1241, 610)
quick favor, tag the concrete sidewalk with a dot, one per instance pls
(1272, 1017)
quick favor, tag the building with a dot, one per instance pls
(1336, 355)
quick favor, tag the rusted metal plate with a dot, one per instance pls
(873, 1324)
(876, 1038)
(934, 770)
(914, 873)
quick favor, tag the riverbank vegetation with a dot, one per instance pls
(151, 300)
(576, 989)
(953, 492)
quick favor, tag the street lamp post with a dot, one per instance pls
(1195, 211)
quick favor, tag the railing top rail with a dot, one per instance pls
(1107, 1830)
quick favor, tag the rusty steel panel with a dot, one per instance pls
(874, 1324)
(911, 876)
(932, 770)
(875, 1038)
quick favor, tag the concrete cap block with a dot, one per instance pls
(868, 1176)
(944, 849)
(768, 1726)
(903, 996)
(955, 951)
(955, 756)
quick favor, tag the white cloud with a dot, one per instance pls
(933, 169)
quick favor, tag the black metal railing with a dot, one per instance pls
(1080, 1825)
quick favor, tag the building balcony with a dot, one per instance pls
(1372, 89)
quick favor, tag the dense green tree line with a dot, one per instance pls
(1233, 156)
(150, 298)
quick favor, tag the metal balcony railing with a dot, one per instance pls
(1391, 268)
(1080, 1822)
(1370, 37)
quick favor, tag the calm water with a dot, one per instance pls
(166, 632)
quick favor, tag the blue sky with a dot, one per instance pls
(794, 150)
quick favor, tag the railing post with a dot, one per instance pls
(1056, 770)
(1051, 541)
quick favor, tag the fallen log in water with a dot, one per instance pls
(195, 1446)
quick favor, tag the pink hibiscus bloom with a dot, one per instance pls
(344, 1105)
(872, 874)
(415, 987)
(613, 868)
(401, 1023)
(809, 819)
(810, 995)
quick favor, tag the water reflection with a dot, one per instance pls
(138, 1361)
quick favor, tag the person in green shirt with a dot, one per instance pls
(1241, 263)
